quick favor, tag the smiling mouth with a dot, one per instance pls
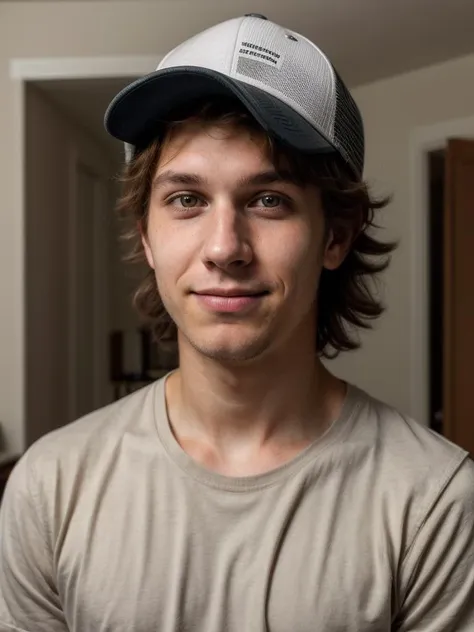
(230, 301)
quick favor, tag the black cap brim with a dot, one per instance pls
(137, 113)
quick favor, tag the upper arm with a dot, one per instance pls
(437, 574)
(28, 597)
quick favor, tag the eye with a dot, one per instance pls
(187, 200)
(271, 201)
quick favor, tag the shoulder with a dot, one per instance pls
(105, 424)
(63, 456)
(62, 473)
(410, 468)
(404, 446)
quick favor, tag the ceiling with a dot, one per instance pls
(366, 40)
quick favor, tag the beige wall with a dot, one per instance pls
(392, 109)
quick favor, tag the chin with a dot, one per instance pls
(231, 351)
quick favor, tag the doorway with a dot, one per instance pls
(451, 297)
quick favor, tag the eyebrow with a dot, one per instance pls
(193, 179)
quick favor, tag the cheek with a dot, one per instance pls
(297, 260)
(165, 269)
(170, 252)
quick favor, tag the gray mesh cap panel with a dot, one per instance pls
(348, 128)
(294, 71)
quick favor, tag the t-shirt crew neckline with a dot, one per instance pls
(215, 480)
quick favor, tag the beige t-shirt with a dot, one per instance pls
(108, 525)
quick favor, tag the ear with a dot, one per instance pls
(335, 251)
(146, 246)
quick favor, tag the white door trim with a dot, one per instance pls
(82, 67)
(422, 141)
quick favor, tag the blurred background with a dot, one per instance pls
(69, 338)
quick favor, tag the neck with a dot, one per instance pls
(286, 398)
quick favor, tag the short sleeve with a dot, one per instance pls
(28, 598)
(437, 574)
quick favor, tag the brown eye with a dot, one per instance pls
(188, 201)
(271, 201)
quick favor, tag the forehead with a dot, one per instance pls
(199, 142)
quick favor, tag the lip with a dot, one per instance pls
(231, 292)
(229, 301)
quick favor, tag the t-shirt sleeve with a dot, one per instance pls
(437, 574)
(28, 598)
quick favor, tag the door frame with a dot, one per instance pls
(423, 140)
(51, 68)
(22, 70)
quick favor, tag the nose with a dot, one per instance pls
(227, 243)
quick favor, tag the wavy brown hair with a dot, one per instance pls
(347, 297)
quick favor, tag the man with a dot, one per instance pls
(251, 489)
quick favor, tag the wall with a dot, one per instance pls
(392, 109)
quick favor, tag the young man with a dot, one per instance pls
(251, 489)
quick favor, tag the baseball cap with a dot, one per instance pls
(282, 78)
